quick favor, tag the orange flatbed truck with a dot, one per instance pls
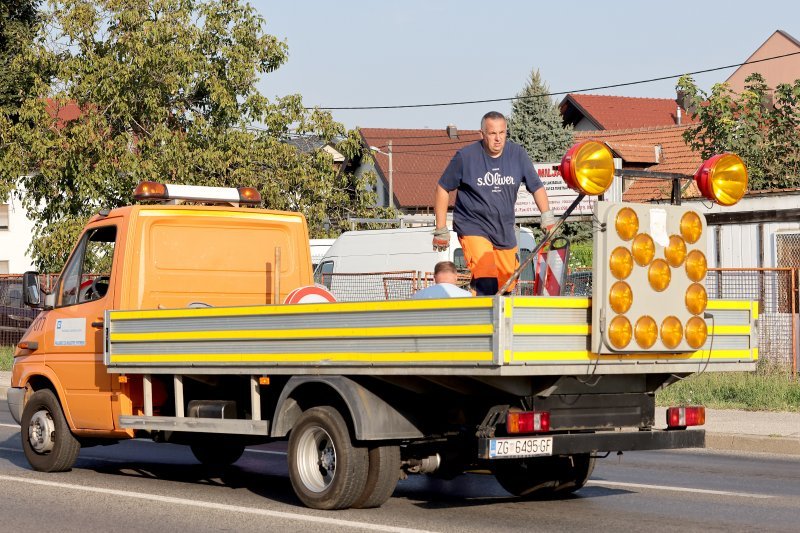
(168, 321)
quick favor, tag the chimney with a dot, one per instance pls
(678, 116)
(452, 131)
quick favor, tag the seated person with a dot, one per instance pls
(445, 276)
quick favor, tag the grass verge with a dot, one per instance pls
(767, 389)
(6, 357)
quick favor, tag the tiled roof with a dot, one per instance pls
(63, 113)
(623, 112)
(419, 156)
(656, 149)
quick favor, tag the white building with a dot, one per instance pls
(16, 232)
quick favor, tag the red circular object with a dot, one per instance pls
(568, 169)
(310, 294)
(701, 177)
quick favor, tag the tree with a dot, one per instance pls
(536, 123)
(759, 125)
(166, 92)
(17, 25)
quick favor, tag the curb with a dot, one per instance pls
(752, 443)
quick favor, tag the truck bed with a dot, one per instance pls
(482, 336)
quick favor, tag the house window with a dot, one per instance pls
(3, 216)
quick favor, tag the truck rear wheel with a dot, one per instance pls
(326, 470)
(48, 443)
(216, 450)
(382, 478)
(544, 477)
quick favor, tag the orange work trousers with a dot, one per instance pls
(490, 267)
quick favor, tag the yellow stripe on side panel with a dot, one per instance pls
(729, 304)
(729, 330)
(550, 302)
(303, 309)
(389, 331)
(583, 355)
(552, 329)
(344, 357)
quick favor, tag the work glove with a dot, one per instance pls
(441, 239)
(548, 221)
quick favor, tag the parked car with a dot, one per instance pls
(15, 317)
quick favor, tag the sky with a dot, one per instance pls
(384, 53)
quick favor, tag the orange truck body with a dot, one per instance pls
(165, 256)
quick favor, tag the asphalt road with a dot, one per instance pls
(143, 486)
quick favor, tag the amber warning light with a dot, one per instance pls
(150, 190)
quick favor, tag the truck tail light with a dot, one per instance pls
(527, 421)
(679, 417)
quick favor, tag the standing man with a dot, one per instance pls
(488, 175)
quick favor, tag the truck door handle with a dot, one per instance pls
(98, 324)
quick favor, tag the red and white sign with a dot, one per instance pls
(311, 294)
(560, 196)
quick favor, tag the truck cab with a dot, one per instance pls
(149, 257)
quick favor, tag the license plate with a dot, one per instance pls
(520, 447)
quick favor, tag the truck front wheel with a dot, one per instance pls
(48, 443)
(544, 477)
(326, 470)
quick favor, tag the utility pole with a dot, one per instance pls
(391, 182)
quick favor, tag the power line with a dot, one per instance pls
(560, 93)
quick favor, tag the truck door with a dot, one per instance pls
(75, 328)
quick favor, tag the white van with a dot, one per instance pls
(318, 249)
(397, 249)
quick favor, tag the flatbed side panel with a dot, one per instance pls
(557, 331)
(458, 331)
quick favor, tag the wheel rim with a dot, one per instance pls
(41, 431)
(316, 459)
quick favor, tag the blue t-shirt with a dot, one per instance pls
(487, 191)
(441, 290)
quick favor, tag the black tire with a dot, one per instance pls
(326, 470)
(382, 478)
(47, 441)
(544, 477)
(217, 450)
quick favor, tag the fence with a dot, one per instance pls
(775, 289)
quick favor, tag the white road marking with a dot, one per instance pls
(15, 426)
(603, 483)
(270, 452)
(323, 521)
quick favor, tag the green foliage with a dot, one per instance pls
(166, 91)
(6, 357)
(580, 255)
(769, 389)
(17, 26)
(536, 124)
(763, 135)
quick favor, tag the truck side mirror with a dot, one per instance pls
(31, 292)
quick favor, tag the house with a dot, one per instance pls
(587, 112)
(418, 159)
(15, 236)
(775, 71)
